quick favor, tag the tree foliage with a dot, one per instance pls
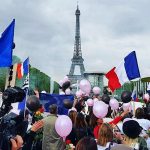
(37, 80)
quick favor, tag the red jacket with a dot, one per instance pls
(96, 129)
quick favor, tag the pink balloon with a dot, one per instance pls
(78, 94)
(63, 125)
(126, 106)
(66, 79)
(114, 104)
(146, 96)
(96, 90)
(95, 100)
(90, 102)
(68, 91)
(85, 86)
(100, 109)
(82, 93)
(61, 82)
(86, 94)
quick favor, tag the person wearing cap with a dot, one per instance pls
(132, 130)
(140, 118)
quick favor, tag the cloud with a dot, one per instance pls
(45, 32)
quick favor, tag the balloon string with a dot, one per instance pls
(64, 138)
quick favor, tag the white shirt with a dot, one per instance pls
(120, 125)
(99, 147)
(144, 123)
(148, 143)
(103, 147)
(107, 120)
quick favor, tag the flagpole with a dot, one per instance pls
(133, 93)
(133, 100)
(25, 102)
(113, 94)
(77, 85)
(27, 92)
(51, 86)
(27, 88)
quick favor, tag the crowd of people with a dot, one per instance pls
(118, 130)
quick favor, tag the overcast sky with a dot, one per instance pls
(110, 29)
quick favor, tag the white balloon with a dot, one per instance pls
(68, 91)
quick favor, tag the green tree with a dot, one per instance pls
(37, 80)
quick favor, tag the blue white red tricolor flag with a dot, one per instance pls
(23, 68)
(134, 95)
(127, 70)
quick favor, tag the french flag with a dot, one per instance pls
(18, 106)
(134, 95)
(127, 70)
(23, 68)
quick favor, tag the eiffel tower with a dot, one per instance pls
(77, 59)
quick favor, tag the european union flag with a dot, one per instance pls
(6, 44)
(49, 99)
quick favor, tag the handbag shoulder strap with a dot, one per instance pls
(110, 144)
